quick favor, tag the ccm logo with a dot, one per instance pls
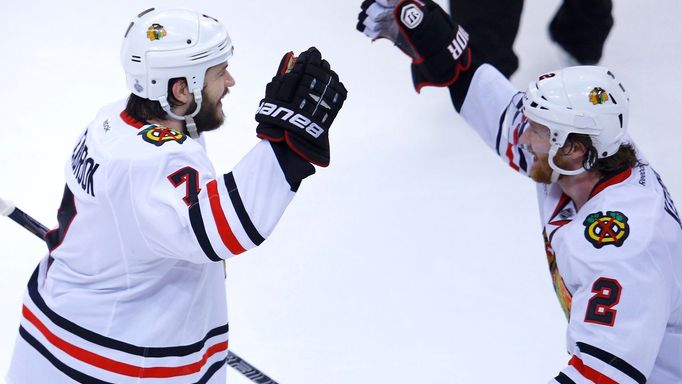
(269, 109)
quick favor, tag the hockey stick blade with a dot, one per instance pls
(35, 227)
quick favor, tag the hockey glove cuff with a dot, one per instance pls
(300, 104)
(442, 47)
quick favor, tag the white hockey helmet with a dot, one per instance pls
(585, 100)
(160, 45)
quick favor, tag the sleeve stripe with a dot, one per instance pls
(224, 230)
(510, 155)
(590, 373)
(200, 232)
(614, 361)
(243, 215)
(499, 131)
(563, 379)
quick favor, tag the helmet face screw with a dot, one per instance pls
(189, 41)
(153, 81)
(604, 154)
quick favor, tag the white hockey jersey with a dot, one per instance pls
(616, 263)
(133, 288)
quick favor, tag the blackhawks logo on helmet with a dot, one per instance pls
(606, 229)
(598, 96)
(156, 32)
(159, 135)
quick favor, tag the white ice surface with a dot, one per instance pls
(416, 257)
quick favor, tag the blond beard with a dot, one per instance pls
(541, 172)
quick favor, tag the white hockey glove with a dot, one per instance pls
(377, 22)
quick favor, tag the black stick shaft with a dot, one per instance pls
(26, 221)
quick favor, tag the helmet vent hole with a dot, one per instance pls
(128, 30)
(544, 98)
(621, 87)
(199, 55)
(136, 59)
(533, 105)
(611, 74)
(613, 99)
(145, 12)
(620, 118)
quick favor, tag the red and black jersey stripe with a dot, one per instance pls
(238, 205)
(613, 361)
(107, 342)
(98, 359)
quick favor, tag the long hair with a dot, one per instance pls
(625, 157)
(144, 109)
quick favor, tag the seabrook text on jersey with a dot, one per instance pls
(84, 167)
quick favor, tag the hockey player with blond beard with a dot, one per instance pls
(612, 234)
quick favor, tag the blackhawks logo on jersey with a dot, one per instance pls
(159, 135)
(606, 229)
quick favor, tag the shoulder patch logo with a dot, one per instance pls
(159, 135)
(606, 229)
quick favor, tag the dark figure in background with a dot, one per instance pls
(580, 27)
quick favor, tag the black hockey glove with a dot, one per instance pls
(300, 105)
(439, 48)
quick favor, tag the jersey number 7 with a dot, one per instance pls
(190, 176)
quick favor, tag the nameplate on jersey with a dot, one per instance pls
(84, 166)
(602, 229)
(160, 135)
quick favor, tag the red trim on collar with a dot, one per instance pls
(131, 120)
(610, 180)
(563, 202)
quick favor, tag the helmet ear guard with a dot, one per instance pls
(584, 100)
(160, 45)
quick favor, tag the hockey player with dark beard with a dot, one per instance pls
(612, 234)
(132, 290)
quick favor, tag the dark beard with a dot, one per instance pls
(210, 117)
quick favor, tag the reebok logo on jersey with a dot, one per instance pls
(159, 135)
(606, 229)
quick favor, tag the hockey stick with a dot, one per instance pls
(35, 227)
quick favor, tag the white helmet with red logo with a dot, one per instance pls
(584, 100)
(160, 45)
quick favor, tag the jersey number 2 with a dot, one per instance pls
(190, 177)
(600, 307)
